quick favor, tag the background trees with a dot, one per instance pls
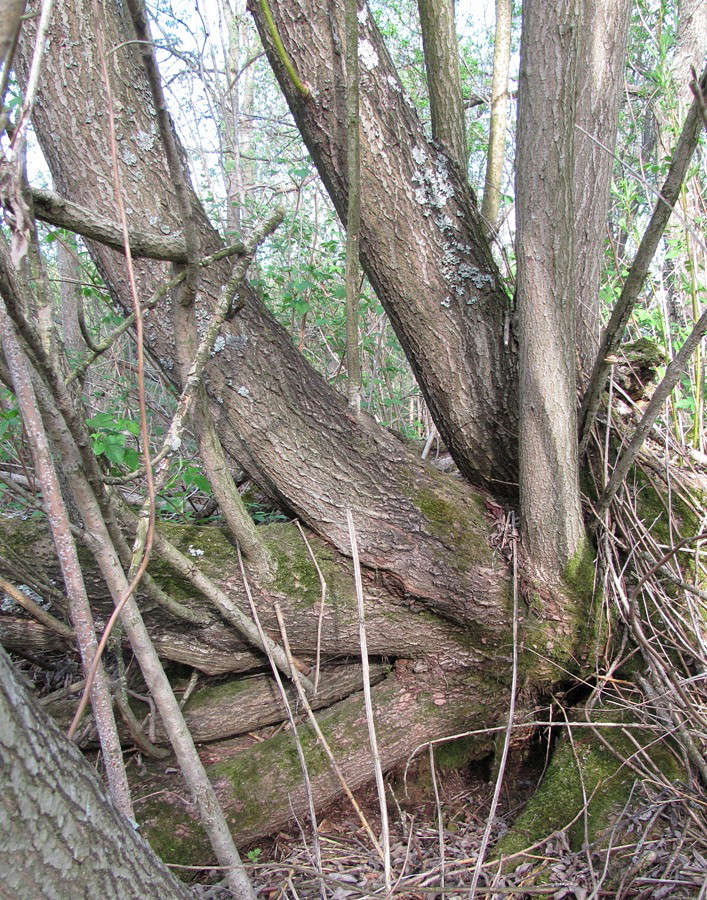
(436, 572)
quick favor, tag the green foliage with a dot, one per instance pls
(111, 438)
(10, 426)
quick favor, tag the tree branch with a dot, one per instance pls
(62, 213)
(637, 274)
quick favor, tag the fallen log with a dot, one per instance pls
(260, 788)
(237, 706)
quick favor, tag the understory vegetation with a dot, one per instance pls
(444, 716)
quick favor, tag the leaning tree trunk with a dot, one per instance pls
(423, 244)
(54, 815)
(422, 537)
(281, 420)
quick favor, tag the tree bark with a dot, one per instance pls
(61, 834)
(423, 244)
(602, 54)
(234, 707)
(422, 537)
(439, 42)
(260, 788)
(499, 113)
(397, 627)
(551, 514)
(274, 414)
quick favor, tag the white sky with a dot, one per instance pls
(475, 14)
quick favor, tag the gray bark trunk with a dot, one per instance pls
(439, 41)
(550, 503)
(423, 243)
(274, 414)
(499, 113)
(61, 835)
(602, 53)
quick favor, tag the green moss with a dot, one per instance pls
(279, 755)
(295, 573)
(458, 523)
(174, 835)
(217, 693)
(456, 754)
(579, 574)
(584, 762)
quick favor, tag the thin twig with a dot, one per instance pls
(300, 751)
(639, 268)
(507, 737)
(370, 720)
(322, 605)
(440, 818)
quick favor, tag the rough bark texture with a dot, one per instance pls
(12, 10)
(397, 627)
(422, 536)
(233, 707)
(499, 112)
(261, 787)
(422, 239)
(439, 42)
(283, 422)
(60, 832)
(602, 52)
(550, 503)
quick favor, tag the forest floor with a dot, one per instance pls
(656, 846)
(662, 861)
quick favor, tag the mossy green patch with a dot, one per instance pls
(174, 835)
(579, 575)
(456, 754)
(217, 693)
(280, 757)
(583, 769)
(458, 522)
(295, 573)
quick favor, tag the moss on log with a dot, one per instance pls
(260, 787)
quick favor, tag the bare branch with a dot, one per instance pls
(684, 150)
(62, 213)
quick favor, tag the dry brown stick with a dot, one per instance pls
(639, 268)
(136, 732)
(35, 610)
(142, 547)
(368, 702)
(440, 820)
(322, 604)
(79, 606)
(300, 751)
(672, 375)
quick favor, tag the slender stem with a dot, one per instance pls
(368, 702)
(300, 86)
(613, 334)
(353, 208)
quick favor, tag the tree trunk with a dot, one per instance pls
(260, 788)
(282, 421)
(397, 627)
(602, 53)
(439, 42)
(423, 244)
(551, 515)
(499, 113)
(437, 591)
(61, 834)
